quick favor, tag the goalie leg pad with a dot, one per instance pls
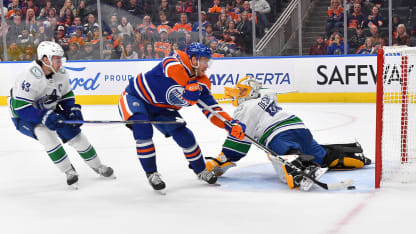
(345, 157)
(218, 165)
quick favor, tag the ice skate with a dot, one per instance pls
(72, 177)
(156, 182)
(207, 176)
(105, 171)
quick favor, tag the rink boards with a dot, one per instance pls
(298, 79)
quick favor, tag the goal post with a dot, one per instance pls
(395, 116)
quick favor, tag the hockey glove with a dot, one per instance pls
(192, 92)
(236, 129)
(52, 120)
(76, 114)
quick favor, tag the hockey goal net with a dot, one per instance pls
(396, 116)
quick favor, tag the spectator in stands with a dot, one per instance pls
(216, 7)
(44, 11)
(135, 9)
(61, 38)
(30, 20)
(127, 52)
(89, 53)
(238, 7)
(163, 45)
(75, 24)
(125, 27)
(15, 28)
(146, 28)
(166, 9)
(336, 45)
(175, 46)
(367, 47)
(40, 35)
(227, 45)
(358, 38)
(29, 53)
(188, 6)
(78, 36)
(401, 37)
(319, 48)
(229, 10)
(204, 23)
(222, 23)
(262, 8)
(109, 52)
(13, 52)
(365, 6)
(356, 17)
(138, 43)
(12, 8)
(73, 53)
(52, 27)
(95, 38)
(245, 29)
(381, 42)
(396, 22)
(30, 5)
(209, 34)
(67, 19)
(183, 25)
(235, 34)
(90, 25)
(335, 16)
(374, 33)
(118, 10)
(164, 23)
(216, 53)
(25, 39)
(178, 11)
(374, 18)
(6, 29)
(67, 5)
(51, 14)
(183, 43)
(149, 52)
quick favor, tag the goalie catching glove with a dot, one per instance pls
(218, 165)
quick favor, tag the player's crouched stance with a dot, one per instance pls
(40, 99)
(177, 81)
(286, 135)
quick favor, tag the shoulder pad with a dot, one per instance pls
(36, 71)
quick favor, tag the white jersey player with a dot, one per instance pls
(40, 99)
(283, 133)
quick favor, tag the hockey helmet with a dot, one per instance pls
(49, 49)
(199, 50)
(247, 88)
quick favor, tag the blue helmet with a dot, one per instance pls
(199, 50)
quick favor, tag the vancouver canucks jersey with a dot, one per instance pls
(264, 119)
(33, 92)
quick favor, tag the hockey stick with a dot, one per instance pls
(177, 121)
(334, 186)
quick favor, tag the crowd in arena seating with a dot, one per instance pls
(367, 27)
(132, 29)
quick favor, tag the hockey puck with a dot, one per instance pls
(351, 187)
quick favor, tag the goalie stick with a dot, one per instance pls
(334, 186)
(177, 121)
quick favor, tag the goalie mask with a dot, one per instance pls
(247, 88)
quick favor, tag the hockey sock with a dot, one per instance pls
(53, 147)
(147, 154)
(194, 156)
(81, 144)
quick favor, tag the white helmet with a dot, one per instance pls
(247, 88)
(49, 49)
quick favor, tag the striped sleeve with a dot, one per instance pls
(68, 100)
(235, 149)
(208, 99)
(24, 109)
(174, 69)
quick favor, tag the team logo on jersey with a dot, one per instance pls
(174, 96)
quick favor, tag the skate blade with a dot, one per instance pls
(161, 192)
(74, 186)
(112, 177)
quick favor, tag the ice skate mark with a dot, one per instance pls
(351, 120)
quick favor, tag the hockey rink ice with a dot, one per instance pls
(34, 197)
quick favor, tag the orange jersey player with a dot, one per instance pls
(177, 81)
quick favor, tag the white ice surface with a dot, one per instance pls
(34, 197)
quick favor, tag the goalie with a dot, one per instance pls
(283, 133)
